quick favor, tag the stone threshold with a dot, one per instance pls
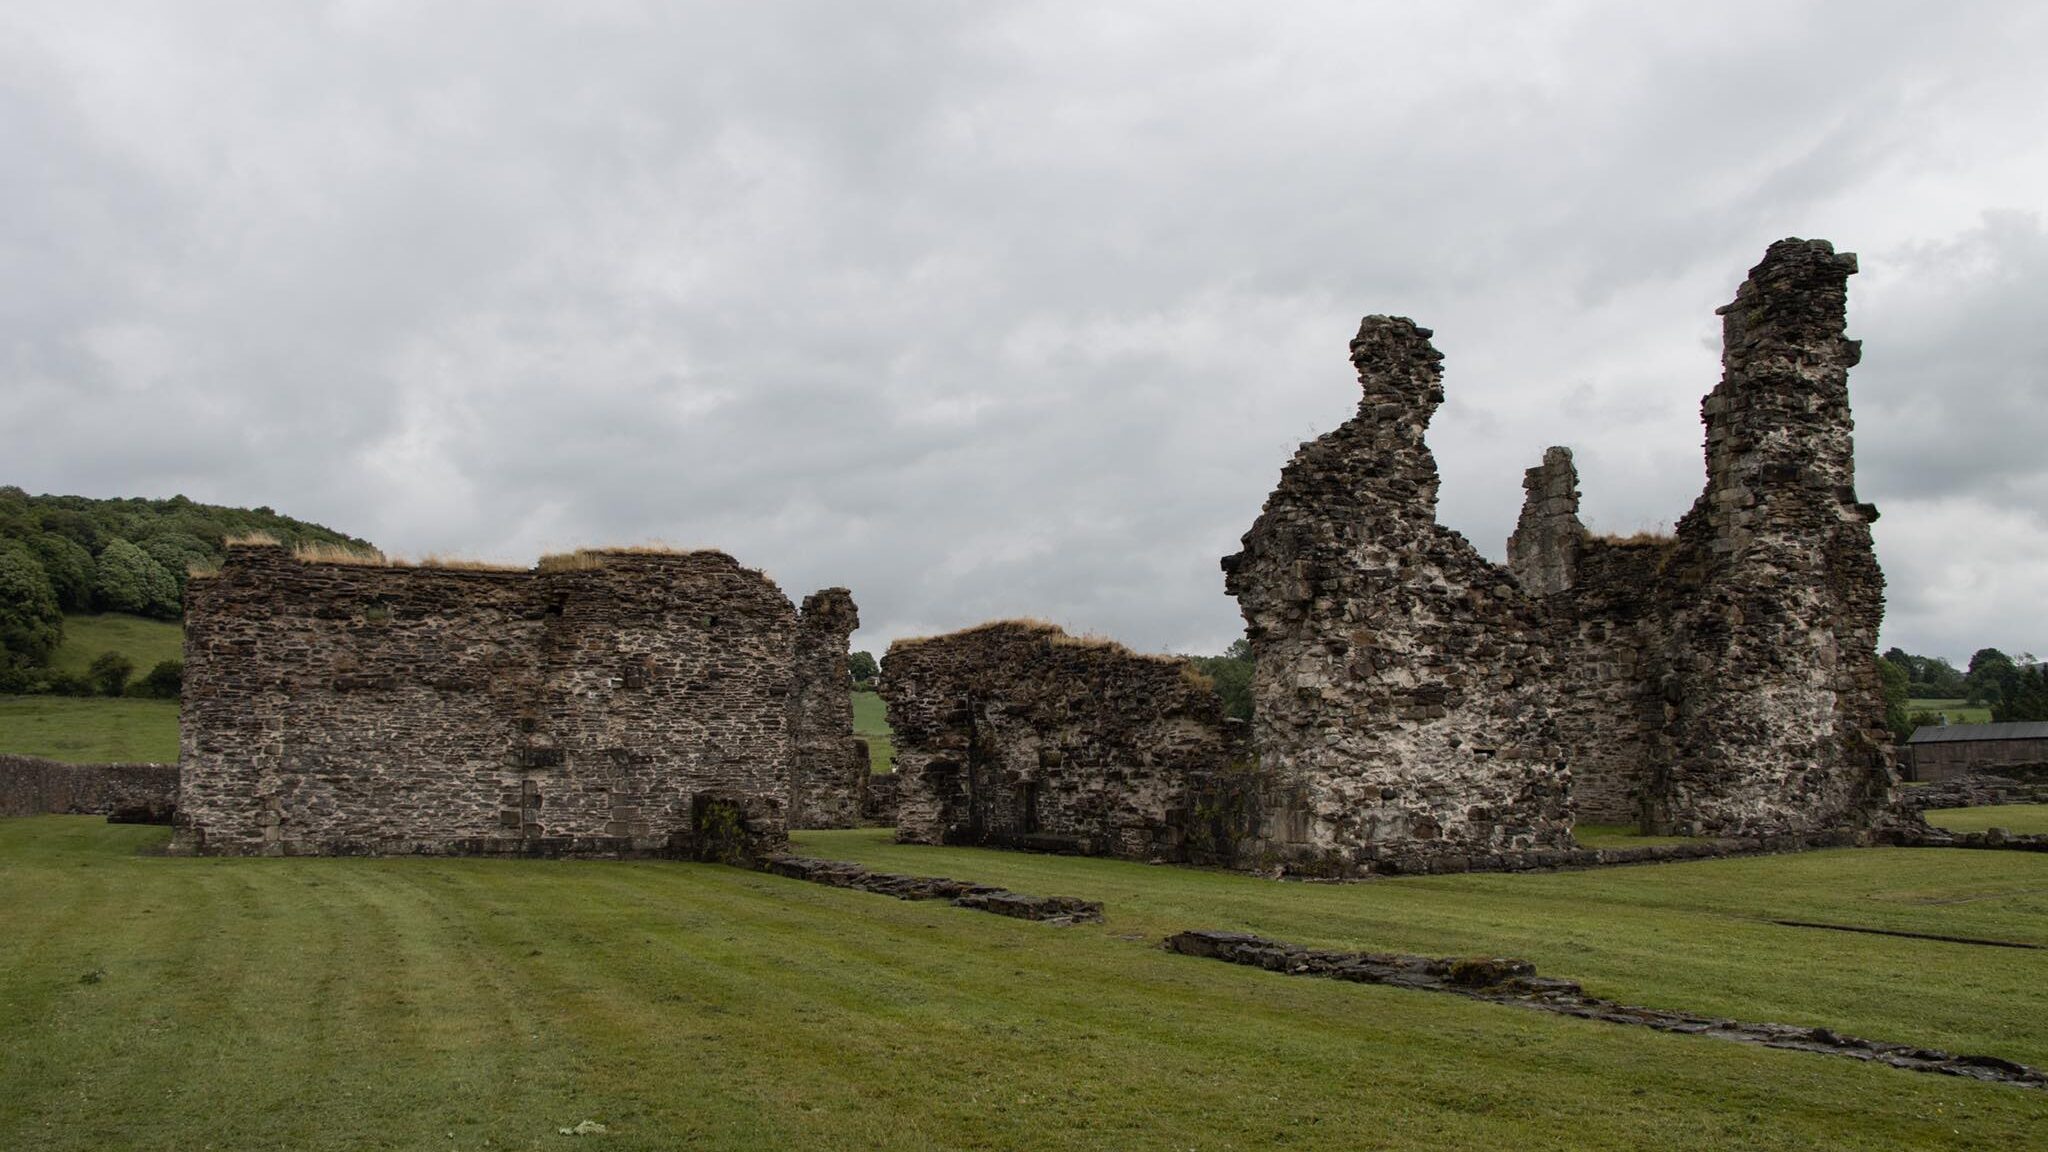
(1515, 982)
(1057, 910)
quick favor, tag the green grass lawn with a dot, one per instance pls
(2024, 819)
(871, 723)
(144, 641)
(465, 1004)
(90, 729)
(1956, 711)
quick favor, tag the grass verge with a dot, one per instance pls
(871, 723)
(2023, 819)
(462, 1004)
(90, 729)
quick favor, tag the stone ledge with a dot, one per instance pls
(962, 894)
(1500, 980)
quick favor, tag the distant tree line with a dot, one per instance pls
(1232, 675)
(2014, 688)
(63, 554)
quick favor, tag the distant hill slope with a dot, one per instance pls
(76, 554)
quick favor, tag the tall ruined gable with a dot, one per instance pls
(1777, 594)
(1016, 734)
(588, 708)
(1724, 682)
(828, 767)
(1400, 712)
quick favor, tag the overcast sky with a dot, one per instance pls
(999, 309)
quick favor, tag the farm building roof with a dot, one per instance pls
(2018, 730)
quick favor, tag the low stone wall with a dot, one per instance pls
(878, 801)
(1429, 863)
(123, 793)
(1515, 982)
(1017, 735)
(960, 893)
(1972, 791)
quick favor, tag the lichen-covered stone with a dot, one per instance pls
(1401, 696)
(581, 709)
(1017, 734)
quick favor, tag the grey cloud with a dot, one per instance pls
(986, 309)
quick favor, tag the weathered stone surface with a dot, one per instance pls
(123, 793)
(1515, 982)
(595, 708)
(1400, 694)
(878, 794)
(979, 897)
(1724, 682)
(1978, 790)
(1017, 735)
(1418, 708)
(829, 771)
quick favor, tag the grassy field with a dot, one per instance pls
(465, 1004)
(90, 729)
(1956, 711)
(2024, 819)
(144, 641)
(871, 723)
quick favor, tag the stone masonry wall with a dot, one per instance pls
(1019, 735)
(829, 768)
(598, 706)
(1402, 684)
(1724, 682)
(124, 793)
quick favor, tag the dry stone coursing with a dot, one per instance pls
(830, 768)
(123, 793)
(1017, 734)
(1401, 699)
(1723, 682)
(627, 703)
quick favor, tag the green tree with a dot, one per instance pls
(2028, 699)
(1991, 677)
(69, 567)
(1232, 674)
(129, 581)
(862, 667)
(166, 681)
(110, 672)
(31, 624)
(1895, 688)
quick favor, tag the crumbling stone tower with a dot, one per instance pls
(1401, 708)
(827, 767)
(1725, 682)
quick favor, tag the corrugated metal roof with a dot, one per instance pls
(2018, 730)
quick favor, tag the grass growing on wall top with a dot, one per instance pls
(419, 1003)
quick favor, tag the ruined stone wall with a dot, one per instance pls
(1401, 682)
(1724, 682)
(590, 707)
(124, 793)
(1017, 734)
(829, 769)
